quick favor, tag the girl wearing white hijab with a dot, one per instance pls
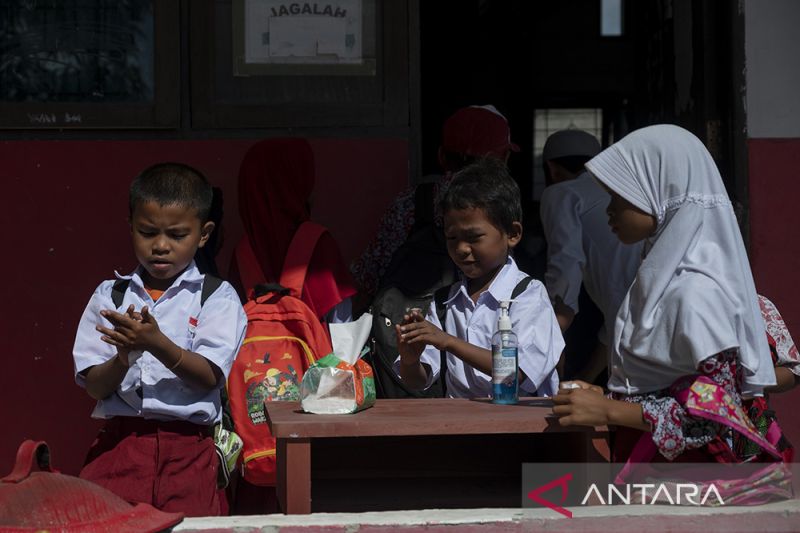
(688, 338)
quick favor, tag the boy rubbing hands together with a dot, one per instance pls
(156, 363)
(482, 224)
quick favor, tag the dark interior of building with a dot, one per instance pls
(673, 62)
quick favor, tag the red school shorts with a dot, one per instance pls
(169, 465)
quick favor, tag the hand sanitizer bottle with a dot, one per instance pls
(505, 388)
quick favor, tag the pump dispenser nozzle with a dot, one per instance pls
(504, 322)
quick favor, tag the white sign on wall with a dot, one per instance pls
(303, 33)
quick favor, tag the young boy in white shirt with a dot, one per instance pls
(156, 363)
(482, 224)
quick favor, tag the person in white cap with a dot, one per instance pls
(581, 248)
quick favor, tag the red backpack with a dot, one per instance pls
(283, 338)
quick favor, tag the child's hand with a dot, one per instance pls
(409, 353)
(132, 330)
(413, 314)
(131, 312)
(579, 384)
(415, 330)
(124, 352)
(581, 406)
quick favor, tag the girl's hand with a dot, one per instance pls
(579, 384)
(582, 407)
(132, 331)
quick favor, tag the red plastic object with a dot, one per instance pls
(34, 497)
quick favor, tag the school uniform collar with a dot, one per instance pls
(499, 289)
(191, 275)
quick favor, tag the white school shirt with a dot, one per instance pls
(581, 248)
(539, 338)
(216, 332)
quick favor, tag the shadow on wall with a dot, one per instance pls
(66, 229)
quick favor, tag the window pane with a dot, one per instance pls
(77, 51)
(548, 121)
(610, 18)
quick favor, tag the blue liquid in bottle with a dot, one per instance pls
(505, 360)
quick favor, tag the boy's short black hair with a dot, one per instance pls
(172, 184)
(486, 184)
(572, 163)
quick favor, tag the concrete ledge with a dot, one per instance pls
(774, 517)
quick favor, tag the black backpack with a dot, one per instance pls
(388, 309)
(384, 352)
(418, 268)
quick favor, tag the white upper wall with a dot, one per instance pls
(772, 52)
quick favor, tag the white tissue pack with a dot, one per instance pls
(341, 382)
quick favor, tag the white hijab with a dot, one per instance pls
(693, 295)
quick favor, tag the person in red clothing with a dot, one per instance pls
(471, 133)
(276, 179)
(781, 346)
(787, 375)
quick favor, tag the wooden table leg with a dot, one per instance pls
(593, 450)
(600, 445)
(294, 475)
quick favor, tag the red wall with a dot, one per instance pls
(774, 180)
(64, 225)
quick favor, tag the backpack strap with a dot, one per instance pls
(118, 291)
(439, 298)
(295, 265)
(520, 288)
(210, 285)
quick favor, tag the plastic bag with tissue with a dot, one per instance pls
(341, 382)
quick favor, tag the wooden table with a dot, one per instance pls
(414, 443)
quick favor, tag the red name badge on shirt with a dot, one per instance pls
(192, 324)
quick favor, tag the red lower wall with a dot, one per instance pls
(64, 225)
(774, 180)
